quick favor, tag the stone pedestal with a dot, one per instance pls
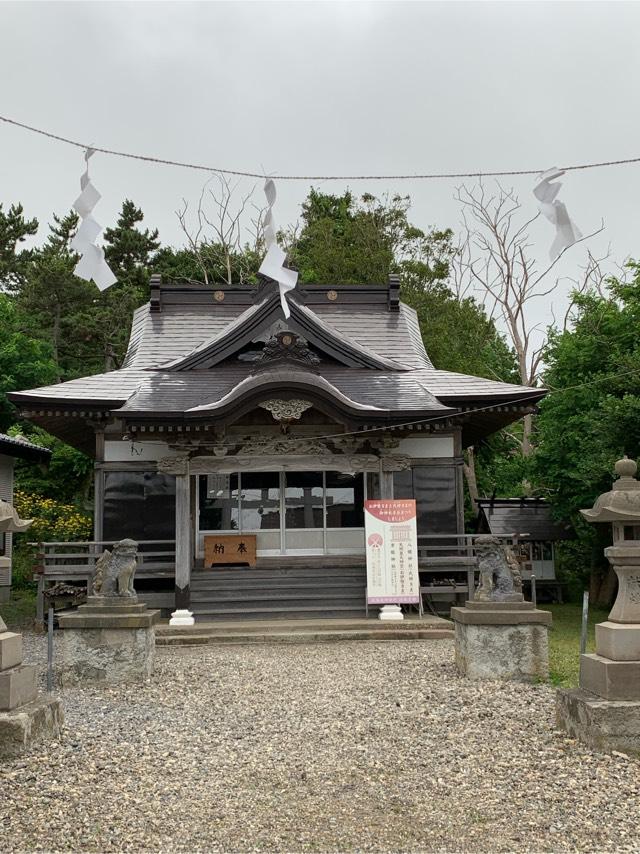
(111, 639)
(391, 612)
(182, 617)
(24, 718)
(502, 640)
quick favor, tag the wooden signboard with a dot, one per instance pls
(229, 548)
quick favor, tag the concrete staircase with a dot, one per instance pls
(292, 593)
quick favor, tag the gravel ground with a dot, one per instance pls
(374, 746)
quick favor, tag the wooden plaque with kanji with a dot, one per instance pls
(229, 548)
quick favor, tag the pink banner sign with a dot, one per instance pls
(392, 551)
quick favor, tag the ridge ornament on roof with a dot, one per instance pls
(273, 263)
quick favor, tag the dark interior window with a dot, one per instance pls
(140, 505)
(345, 500)
(434, 488)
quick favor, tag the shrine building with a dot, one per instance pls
(232, 431)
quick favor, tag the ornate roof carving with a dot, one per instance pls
(287, 346)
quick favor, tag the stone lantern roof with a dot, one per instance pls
(622, 504)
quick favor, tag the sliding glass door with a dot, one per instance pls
(304, 512)
(290, 512)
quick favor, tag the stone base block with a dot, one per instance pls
(618, 641)
(600, 724)
(613, 680)
(18, 686)
(182, 617)
(38, 721)
(10, 650)
(102, 655)
(518, 651)
(391, 612)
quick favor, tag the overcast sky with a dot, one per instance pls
(319, 88)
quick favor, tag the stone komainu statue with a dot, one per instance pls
(115, 570)
(500, 579)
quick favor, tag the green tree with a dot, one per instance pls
(592, 415)
(54, 304)
(68, 476)
(14, 230)
(25, 361)
(360, 241)
(128, 250)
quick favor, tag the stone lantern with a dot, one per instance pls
(25, 717)
(604, 711)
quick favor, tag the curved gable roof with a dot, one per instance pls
(303, 321)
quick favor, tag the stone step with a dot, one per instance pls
(288, 612)
(305, 635)
(267, 574)
(280, 584)
(275, 596)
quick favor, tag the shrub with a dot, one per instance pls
(53, 520)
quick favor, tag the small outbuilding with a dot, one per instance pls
(529, 523)
(12, 448)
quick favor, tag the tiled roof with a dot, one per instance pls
(361, 390)
(374, 358)
(158, 338)
(17, 446)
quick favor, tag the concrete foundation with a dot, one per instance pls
(107, 641)
(38, 721)
(502, 641)
(600, 724)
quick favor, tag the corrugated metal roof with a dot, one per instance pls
(531, 516)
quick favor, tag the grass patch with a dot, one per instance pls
(20, 611)
(564, 641)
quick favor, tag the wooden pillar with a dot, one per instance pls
(98, 483)
(457, 453)
(183, 541)
(386, 484)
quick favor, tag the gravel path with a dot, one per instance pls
(357, 746)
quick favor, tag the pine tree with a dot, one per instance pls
(14, 230)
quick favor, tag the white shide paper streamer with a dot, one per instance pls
(545, 192)
(273, 262)
(91, 264)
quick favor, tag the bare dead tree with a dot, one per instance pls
(216, 237)
(195, 236)
(592, 278)
(495, 259)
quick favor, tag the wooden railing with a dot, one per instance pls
(75, 563)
